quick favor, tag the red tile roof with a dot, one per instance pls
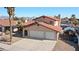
(6, 23)
(49, 17)
(56, 28)
(52, 18)
(28, 23)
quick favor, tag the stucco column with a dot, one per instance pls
(28, 33)
(57, 35)
(23, 33)
(3, 30)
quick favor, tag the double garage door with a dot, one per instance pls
(42, 34)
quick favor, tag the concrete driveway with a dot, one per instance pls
(63, 46)
(26, 44)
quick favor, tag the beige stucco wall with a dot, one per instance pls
(37, 28)
(56, 23)
(45, 20)
(42, 29)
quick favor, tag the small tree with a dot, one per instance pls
(20, 25)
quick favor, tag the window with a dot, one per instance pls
(52, 22)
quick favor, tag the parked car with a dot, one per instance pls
(71, 36)
(77, 30)
(64, 26)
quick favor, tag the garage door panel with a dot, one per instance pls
(42, 34)
(50, 35)
(37, 34)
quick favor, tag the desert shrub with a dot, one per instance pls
(7, 32)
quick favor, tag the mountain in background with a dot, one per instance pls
(3, 17)
(25, 18)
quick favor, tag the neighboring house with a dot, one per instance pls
(41, 29)
(65, 21)
(5, 25)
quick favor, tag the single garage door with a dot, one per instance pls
(50, 35)
(36, 34)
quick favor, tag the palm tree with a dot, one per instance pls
(73, 20)
(13, 10)
(59, 16)
(73, 17)
(10, 11)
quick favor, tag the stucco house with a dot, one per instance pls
(5, 25)
(41, 28)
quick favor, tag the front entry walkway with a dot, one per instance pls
(26, 44)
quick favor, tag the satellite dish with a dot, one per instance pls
(25, 20)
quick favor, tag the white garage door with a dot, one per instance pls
(50, 35)
(37, 34)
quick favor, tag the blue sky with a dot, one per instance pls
(38, 11)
